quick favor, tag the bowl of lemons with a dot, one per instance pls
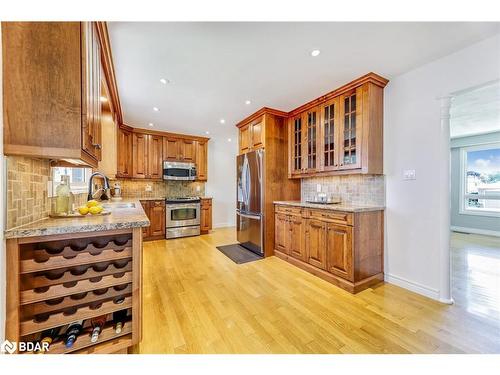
(92, 207)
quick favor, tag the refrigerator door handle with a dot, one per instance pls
(249, 216)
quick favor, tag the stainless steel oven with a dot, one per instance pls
(183, 217)
(173, 170)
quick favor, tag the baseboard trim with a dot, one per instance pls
(223, 225)
(485, 232)
(413, 286)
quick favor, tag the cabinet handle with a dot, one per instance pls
(97, 145)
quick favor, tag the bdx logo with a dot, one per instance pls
(10, 347)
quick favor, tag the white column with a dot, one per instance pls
(444, 187)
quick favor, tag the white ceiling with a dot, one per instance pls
(476, 111)
(215, 67)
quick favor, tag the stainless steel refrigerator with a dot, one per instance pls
(249, 204)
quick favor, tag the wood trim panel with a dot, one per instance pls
(261, 112)
(109, 68)
(164, 134)
(367, 78)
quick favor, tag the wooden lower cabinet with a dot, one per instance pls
(296, 235)
(339, 250)
(155, 211)
(343, 248)
(205, 215)
(316, 243)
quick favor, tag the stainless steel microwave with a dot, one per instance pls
(173, 170)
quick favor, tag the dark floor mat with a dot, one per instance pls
(238, 254)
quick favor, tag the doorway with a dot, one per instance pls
(475, 200)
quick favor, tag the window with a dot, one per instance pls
(480, 189)
(78, 177)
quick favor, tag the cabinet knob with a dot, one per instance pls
(97, 145)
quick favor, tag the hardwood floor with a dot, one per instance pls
(196, 300)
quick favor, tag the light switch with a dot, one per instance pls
(409, 174)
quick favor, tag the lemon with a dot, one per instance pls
(92, 203)
(95, 210)
(83, 210)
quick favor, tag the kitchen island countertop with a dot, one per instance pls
(120, 218)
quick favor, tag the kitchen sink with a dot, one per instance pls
(112, 206)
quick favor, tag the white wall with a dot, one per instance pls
(221, 184)
(2, 211)
(411, 141)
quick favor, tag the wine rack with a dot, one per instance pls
(54, 281)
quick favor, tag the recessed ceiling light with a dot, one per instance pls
(103, 99)
(156, 109)
(247, 102)
(222, 121)
(229, 139)
(207, 132)
(151, 124)
(315, 52)
(164, 81)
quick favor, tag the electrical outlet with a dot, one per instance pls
(149, 187)
(409, 174)
(198, 188)
(318, 188)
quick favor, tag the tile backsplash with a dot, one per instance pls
(137, 188)
(27, 191)
(353, 189)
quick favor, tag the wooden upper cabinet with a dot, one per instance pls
(179, 149)
(52, 83)
(124, 153)
(296, 136)
(155, 156)
(339, 133)
(201, 160)
(187, 150)
(329, 135)
(310, 119)
(171, 148)
(252, 135)
(147, 151)
(140, 155)
(350, 130)
(244, 139)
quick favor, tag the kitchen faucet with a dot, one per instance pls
(106, 184)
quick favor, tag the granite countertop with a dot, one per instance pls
(145, 198)
(120, 218)
(333, 207)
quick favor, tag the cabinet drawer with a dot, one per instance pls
(288, 210)
(333, 216)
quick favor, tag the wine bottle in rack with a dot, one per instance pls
(97, 326)
(47, 338)
(119, 320)
(72, 333)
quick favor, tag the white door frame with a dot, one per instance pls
(444, 186)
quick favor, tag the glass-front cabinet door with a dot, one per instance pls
(350, 130)
(311, 120)
(328, 145)
(296, 143)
